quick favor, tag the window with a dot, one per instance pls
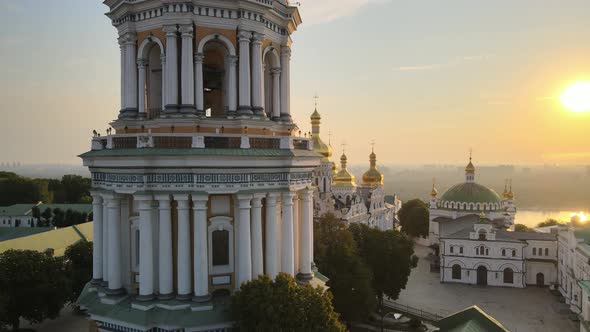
(477, 251)
(452, 248)
(482, 236)
(546, 251)
(220, 240)
(508, 276)
(503, 252)
(534, 251)
(456, 272)
(513, 253)
(487, 252)
(460, 250)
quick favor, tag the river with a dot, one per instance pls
(531, 218)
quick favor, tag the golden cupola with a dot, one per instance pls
(318, 145)
(433, 192)
(373, 177)
(505, 192)
(510, 194)
(343, 178)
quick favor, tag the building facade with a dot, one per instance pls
(337, 193)
(201, 184)
(473, 229)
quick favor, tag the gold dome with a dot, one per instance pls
(510, 194)
(373, 177)
(343, 178)
(470, 168)
(318, 145)
(505, 192)
(433, 192)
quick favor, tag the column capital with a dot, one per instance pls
(257, 38)
(232, 59)
(96, 194)
(244, 36)
(163, 57)
(285, 51)
(141, 63)
(162, 197)
(244, 200)
(306, 194)
(288, 197)
(170, 30)
(198, 57)
(186, 31)
(275, 71)
(257, 200)
(200, 201)
(127, 38)
(112, 199)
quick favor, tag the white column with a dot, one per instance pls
(200, 98)
(146, 248)
(141, 68)
(164, 80)
(200, 263)
(187, 70)
(244, 247)
(123, 49)
(184, 248)
(165, 280)
(257, 74)
(296, 215)
(306, 235)
(233, 85)
(131, 54)
(271, 257)
(256, 216)
(114, 229)
(171, 69)
(245, 107)
(287, 260)
(105, 242)
(285, 83)
(276, 94)
(97, 240)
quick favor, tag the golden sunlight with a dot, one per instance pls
(580, 216)
(576, 97)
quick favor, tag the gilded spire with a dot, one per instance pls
(318, 145)
(433, 192)
(510, 194)
(344, 178)
(372, 177)
(505, 193)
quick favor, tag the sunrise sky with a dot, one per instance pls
(427, 80)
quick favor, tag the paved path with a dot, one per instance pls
(520, 310)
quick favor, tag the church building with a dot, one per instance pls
(472, 227)
(336, 190)
(200, 184)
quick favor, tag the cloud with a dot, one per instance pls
(323, 11)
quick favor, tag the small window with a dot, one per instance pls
(487, 252)
(460, 250)
(508, 276)
(503, 252)
(451, 249)
(477, 251)
(534, 251)
(513, 253)
(546, 251)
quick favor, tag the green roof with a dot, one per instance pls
(470, 193)
(472, 319)
(9, 233)
(16, 209)
(202, 152)
(583, 233)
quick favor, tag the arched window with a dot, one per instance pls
(487, 251)
(508, 276)
(482, 235)
(513, 253)
(456, 272)
(503, 252)
(452, 249)
(460, 250)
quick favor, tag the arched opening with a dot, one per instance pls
(271, 63)
(456, 271)
(151, 77)
(482, 275)
(540, 279)
(215, 78)
(508, 276)
(481, 234)
(325, 185)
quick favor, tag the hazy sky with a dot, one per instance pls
(426, 79)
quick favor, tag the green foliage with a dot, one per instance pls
(281, 305)
(390, 257)
(16, 189)
(414, 216)
(78, 265)
(59, 217)
(34, 286)
(350, 280)
(522, 228)
(550, 222)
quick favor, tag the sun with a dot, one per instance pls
(576, 97)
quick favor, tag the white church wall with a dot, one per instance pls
(547, 269)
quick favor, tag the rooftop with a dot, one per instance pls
(471, 319)
(58, 239)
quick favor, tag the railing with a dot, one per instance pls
(410, 311)
(199, 141)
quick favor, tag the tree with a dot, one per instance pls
(59, 217)
(47, 214)
(36, 212)
(522, 228)
(78, 265)
(76, 188)
(34, 284)
(350, 279)
(282, 305)
(549, 222)
(414, 217)
(390, 257)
